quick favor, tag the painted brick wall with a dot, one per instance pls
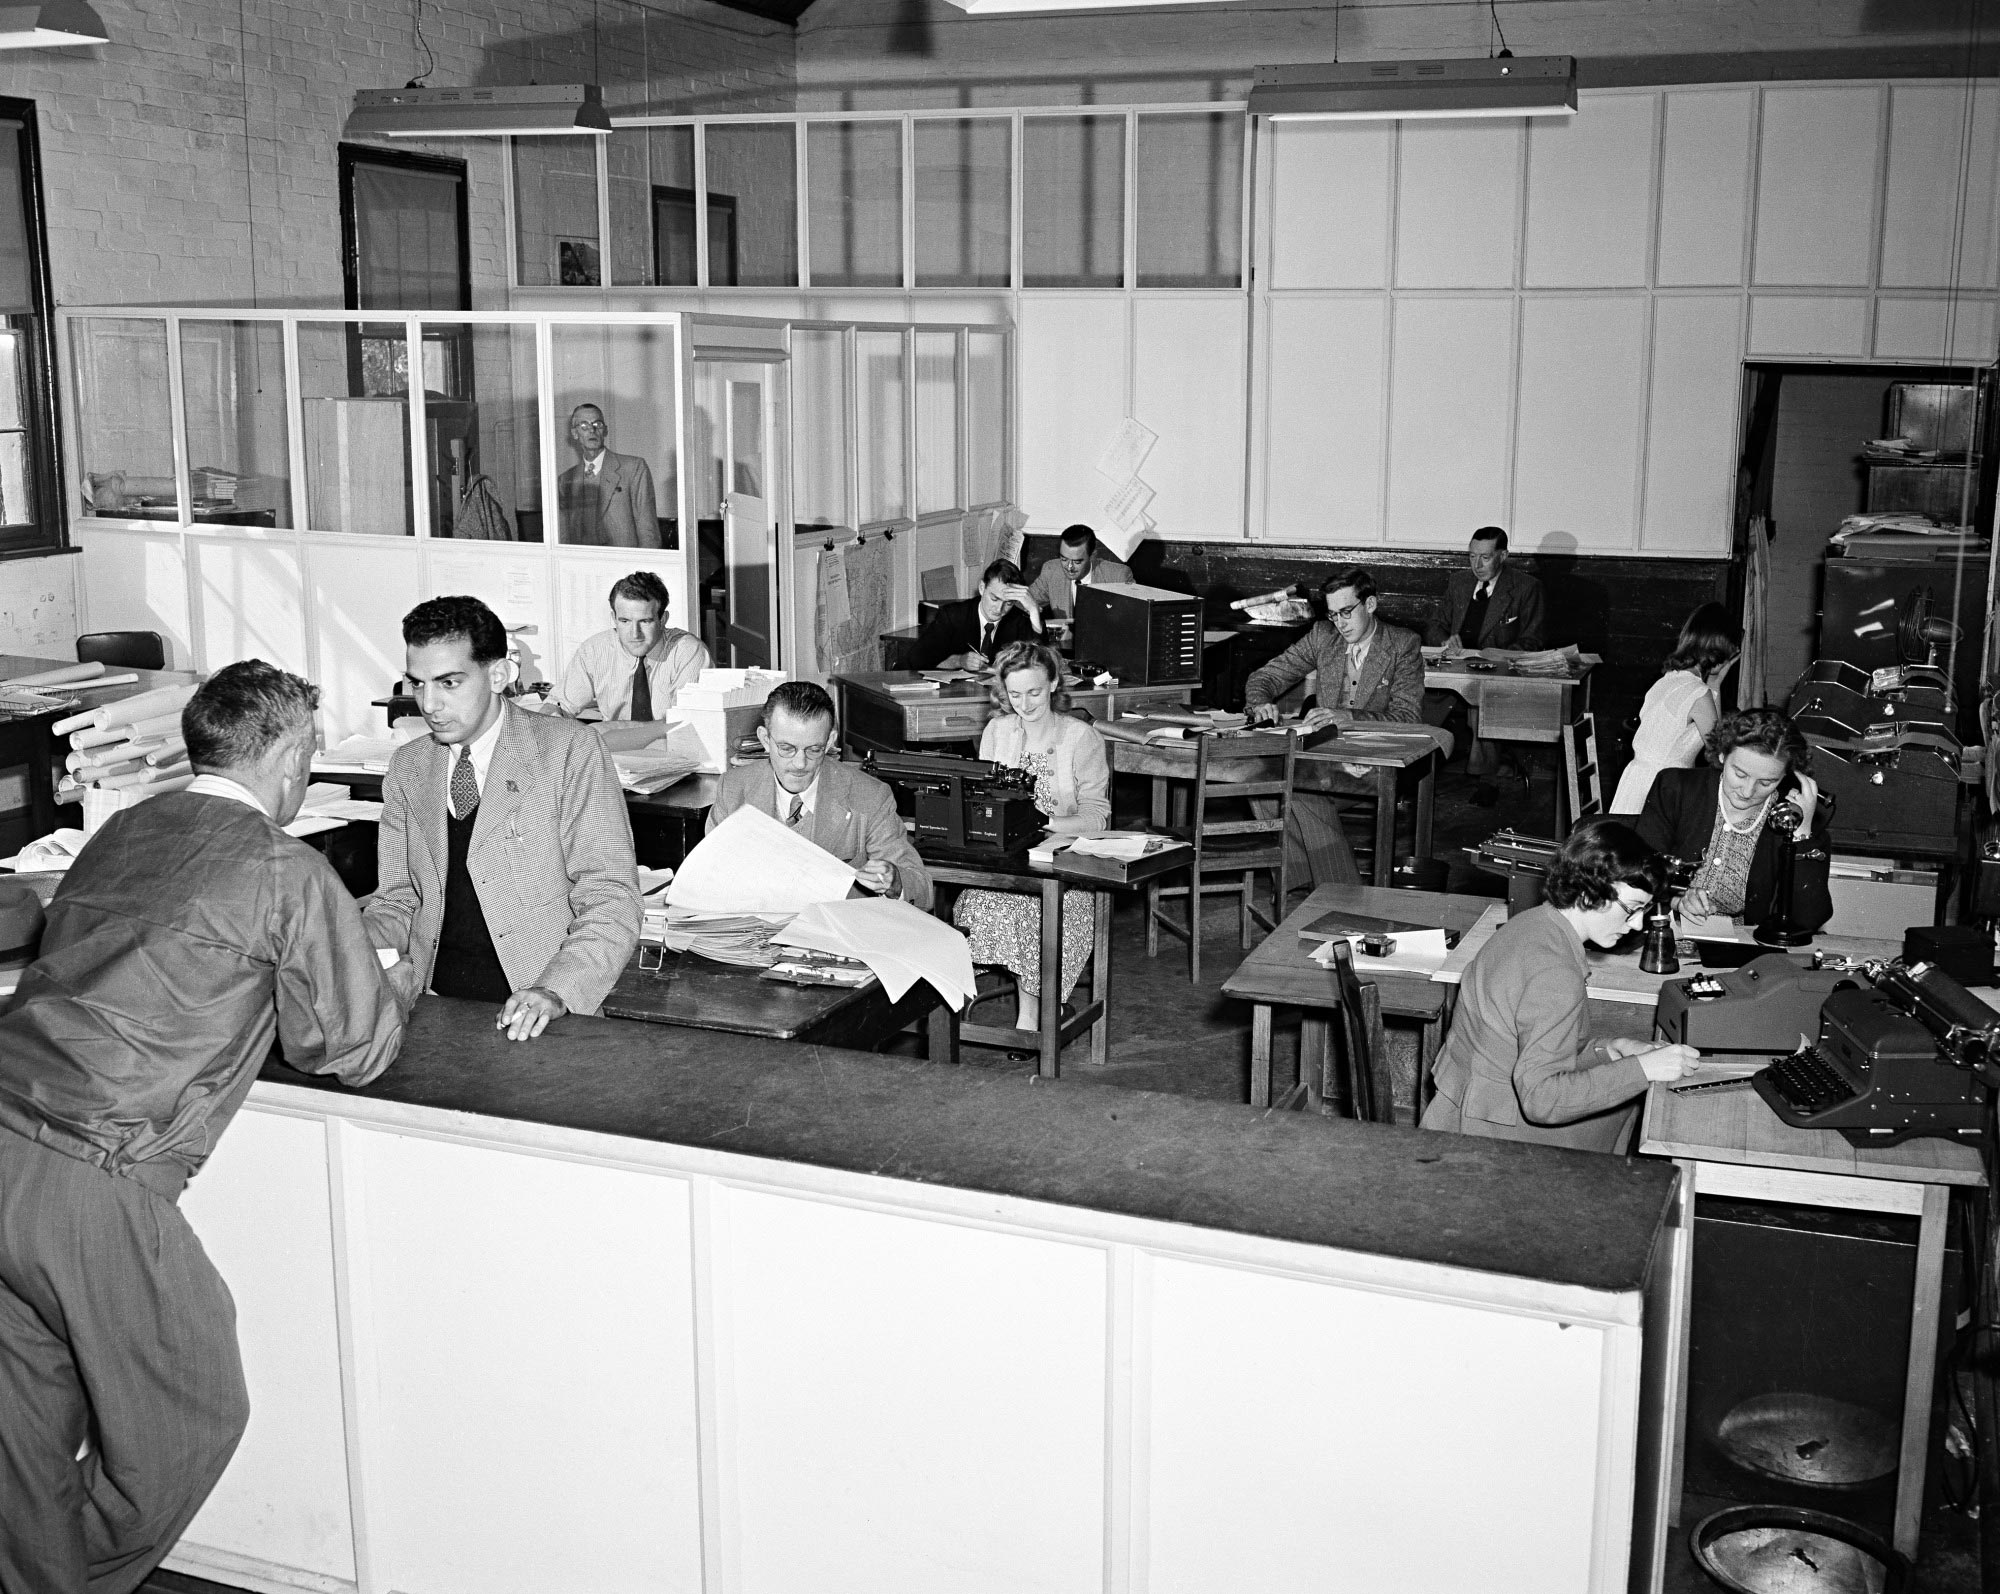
(192, 160)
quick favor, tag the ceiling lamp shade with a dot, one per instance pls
(53, 23)
(1358, 91)
(539, 109)
(995, 8)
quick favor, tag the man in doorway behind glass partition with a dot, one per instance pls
(839, 807)
(970, 632)
(1080, 561)
(1365, 670)
(607, 499)
(634, 670)
(505, 853)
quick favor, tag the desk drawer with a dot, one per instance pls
(946, 720)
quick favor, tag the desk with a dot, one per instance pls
(1279, 974)
(31, 742)
(696, 994)
(1012, 872)
(1414, 750)
(872, 717)
(1729, 1143)
(1508, 706)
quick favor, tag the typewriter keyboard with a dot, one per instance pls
(1808, 1083)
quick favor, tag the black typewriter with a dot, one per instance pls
(966, 804)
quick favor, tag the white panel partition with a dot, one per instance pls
(1590, 194)
(1188, 363)
(1691, 434)
(1576, 450)
(1074, 358)
(1337, 181)
(1458, 204)
(1451, 425)
(1816, 186)
(1939, 190)
(1325, 360)
(1705, 161)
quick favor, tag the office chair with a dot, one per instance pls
(128, 650)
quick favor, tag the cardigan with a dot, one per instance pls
(1081, 773)
(1679, 818)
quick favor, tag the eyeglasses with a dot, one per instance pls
(1632, 910)
(812, 755)
(1342, 614)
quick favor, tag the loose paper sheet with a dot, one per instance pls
(1417, 952)
(751, 863)
(833, 585)
(1128, 451)
(900, 943)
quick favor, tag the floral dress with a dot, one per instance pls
(1005, 927)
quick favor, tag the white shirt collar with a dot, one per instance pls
(1358, 651)
(810, 794)
(223, 786)
(592, 466)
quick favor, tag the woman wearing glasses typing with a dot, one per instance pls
(1520, 1063)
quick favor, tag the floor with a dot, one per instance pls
(1188, 1040)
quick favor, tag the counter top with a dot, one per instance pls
(1570, 1218)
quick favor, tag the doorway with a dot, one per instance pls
(736, 426)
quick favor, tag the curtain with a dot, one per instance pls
(1751, 691)
(17, 275)
(406, 239)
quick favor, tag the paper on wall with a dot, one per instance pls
(900, 943)
(751, 863)
(833, 585)
(1128, 451)
(1127, 507)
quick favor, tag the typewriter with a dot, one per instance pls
(966, 804)
(1909, 1054)
(1761, 1007)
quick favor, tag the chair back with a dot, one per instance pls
(1583, 769)
(128, 650)
(1368, 1083)
(1213, 783)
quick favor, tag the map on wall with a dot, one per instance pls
(852, 602)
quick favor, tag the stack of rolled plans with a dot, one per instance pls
(134, 745)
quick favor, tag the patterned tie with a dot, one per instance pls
(798, 809)
(642, 693)
(464, 785)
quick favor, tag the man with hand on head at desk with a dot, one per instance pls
(189, 934)
(970, 632)
(634, 670)
(505, 853)
(840, 808)
(1367, 670)
(1080, 561)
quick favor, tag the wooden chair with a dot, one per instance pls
(1239, 847)
(1361, 1056)
(128, 650)
(1585, 772)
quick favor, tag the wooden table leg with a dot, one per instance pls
(1051, 967)
(1312, 1059)
(1923, 1360)
(1100, 977)
(941, 1037)
(1426, 807)
(1385, 824)
(1260, 1054)
(1159, 802)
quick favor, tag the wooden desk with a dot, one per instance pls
(1729, 1143)
(872, 717)
(1411, 758)
(697, 994)
(1509, 706)
(1012, 872)
(1279, 974)
(30, 742)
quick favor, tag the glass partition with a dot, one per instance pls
(481, 439)
(615, 388)
(964, 202)
(1073, 201)
(356, 427)
(937, 422)
(238, 444)
(17, 493)
(821, 396)
(1189, 212)
(125, 428)
(987, 418)
(880, 425)
(555, 212)
(854, 189)
(753, 176)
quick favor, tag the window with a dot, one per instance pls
(30, 504)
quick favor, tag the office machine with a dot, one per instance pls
(965, 803)
(1912, 1054)
(1146, 636)
(1764, 1006)
(1522, 861)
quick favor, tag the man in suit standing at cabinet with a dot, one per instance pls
(842, 810)
(607, 499)
(505, 852)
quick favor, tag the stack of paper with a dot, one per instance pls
(1124, 845)
(901, 943)
(1417, 952)
(750, 863)
(363, 755)
(134, 745)
(742, 939)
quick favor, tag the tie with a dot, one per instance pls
(798, 809)
(464, 785)
(986, 641)
(642, 693)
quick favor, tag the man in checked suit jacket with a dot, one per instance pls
(607, 499)
(505, 854)
(845, 811)
(1367, 670)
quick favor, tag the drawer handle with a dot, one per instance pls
(960, 719)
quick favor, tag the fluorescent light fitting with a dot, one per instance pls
(49, 25)
(997, 8)
(1361, 91)
(536, 110)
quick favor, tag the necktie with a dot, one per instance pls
(798, 809)
(642, 693)
(986, 641)
(464, 785)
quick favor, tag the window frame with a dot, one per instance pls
(41, 402)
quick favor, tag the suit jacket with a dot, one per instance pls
(1519, 1063)
(1392, 676)
(615, 508)
(957, 627)
(854, 817)
(1513, 612)
(550, 858)
(1056, 593)
(1679, 817)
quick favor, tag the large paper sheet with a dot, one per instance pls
(900, 943)
(750, 863)
(1127, 451)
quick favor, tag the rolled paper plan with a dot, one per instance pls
(60, 677)
(146, 706)
(171, 753)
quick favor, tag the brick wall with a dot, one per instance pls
(192, 160)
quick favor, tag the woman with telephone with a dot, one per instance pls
(1719, 816)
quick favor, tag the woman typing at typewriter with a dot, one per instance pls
(1720, 818)
(1520, 1063)
(1031, 730)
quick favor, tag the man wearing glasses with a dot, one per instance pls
(607, 499)
(1366, 670)
(1080, 561)
(836, 806)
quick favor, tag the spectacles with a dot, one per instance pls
(1633, 910)
(1342, 614)
(812, 755)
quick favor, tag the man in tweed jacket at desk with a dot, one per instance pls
(505, 855)
(1366, 670)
